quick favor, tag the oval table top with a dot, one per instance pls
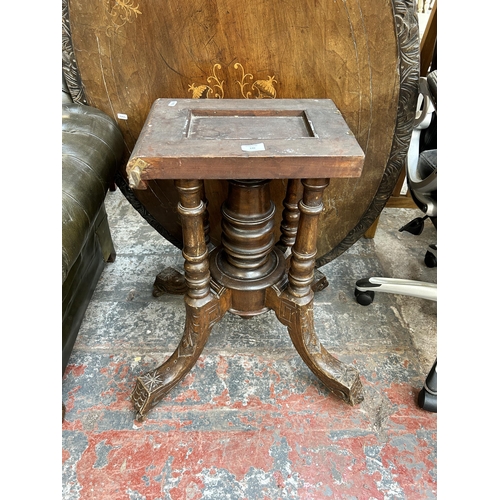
(363, 54)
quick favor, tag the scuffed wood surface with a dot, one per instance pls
(210, 139)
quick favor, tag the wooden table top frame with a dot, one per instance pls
(248, 143)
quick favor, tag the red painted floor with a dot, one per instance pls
(250, 421)
(216, 436)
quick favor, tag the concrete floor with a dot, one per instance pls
(250, 421)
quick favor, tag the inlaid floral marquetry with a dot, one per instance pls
(122, 12)
(249, 89)
(359, 53)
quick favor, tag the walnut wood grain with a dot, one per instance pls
(362, 54)
(234, 149)
(247, 274)
(294, 306)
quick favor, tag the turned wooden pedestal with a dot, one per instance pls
(248, 143)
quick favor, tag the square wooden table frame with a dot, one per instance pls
(247, 142)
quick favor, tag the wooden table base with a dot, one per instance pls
(248, 275)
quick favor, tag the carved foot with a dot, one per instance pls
(153, 386)
(320, 282)
(341, 379)
(170, 281)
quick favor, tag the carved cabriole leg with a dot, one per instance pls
(203, 308)
(294, 306)
(171, 280)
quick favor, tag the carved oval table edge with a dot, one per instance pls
(69, 64)
(407, 35)
(408, 41)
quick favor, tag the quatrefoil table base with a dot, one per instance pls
(248, 143)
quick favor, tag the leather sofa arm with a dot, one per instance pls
(92, 147)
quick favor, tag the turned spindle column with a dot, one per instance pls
(290, 215)
(195, 252)
(247, 262)
(301, 272)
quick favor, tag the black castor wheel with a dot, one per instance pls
(427, 397)
(430, 259)
(427, 401)
(364, 298)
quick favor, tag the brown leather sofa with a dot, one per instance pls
(92, 147)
